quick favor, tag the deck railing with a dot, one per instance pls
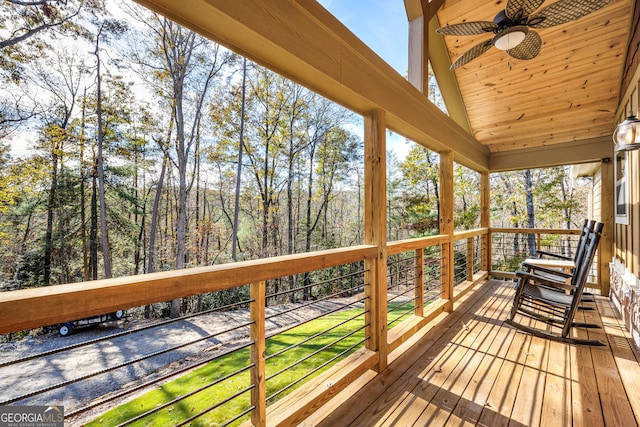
(282, 369)
(511, 246)
(295, 346)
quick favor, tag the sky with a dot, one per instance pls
(383, 26)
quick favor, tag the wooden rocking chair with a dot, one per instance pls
(555, 302)
(541, 266)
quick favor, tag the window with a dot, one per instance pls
(622, 188)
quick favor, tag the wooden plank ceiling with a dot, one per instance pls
(569, 92)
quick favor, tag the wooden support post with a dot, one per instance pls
(258, 374)
(605, 249)
(375, 231)
(470, 259)
(485, 220)
(418, 54)
(419, 14)
(446, 226)
(418, 281)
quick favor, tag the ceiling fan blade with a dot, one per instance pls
(564, 11)
(526, 6)
(472, 53)
(529, 48)
(467, 28)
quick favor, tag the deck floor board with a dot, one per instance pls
(474, 370)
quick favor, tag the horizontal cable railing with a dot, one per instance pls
(417, 281)
(460, 264)
(401, 287)
(511, 246)
(274, 325)
(326, 306)
(432, 266)
(319, 340)
(470, 259)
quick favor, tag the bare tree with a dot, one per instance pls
(189, 65)
(61, 81)
(27, 18)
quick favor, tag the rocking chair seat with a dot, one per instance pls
(547, 295)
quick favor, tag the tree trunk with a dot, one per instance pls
(436, 189)
(155, 212)
(93, 229)
(83, 213)
(181, 230)
(566, 248)
(197, 223)
(265, 203)
(308, 226)
(51, 204)
(154, 223)
(531, 238)
(236, 206)
(103, 206)
(516, 240)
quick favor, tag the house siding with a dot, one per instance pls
(633, 51)
(625, 267)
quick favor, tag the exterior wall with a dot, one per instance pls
(596, 214)
(627, 230)
(625, 267)
(596, 202)
(633, 50)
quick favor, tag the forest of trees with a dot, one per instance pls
(129, 144)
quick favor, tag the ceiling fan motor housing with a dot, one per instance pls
(503, 21)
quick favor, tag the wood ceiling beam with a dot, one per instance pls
(418, 72)
(569, 153)
(416, 8)
(413, 9)
(446, 79)
(305, 43)
(426, 47)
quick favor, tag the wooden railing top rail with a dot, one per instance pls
(32, 308)
(465, 234)
(399, 246)
(534, 230)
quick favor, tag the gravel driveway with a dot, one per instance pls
(69, 375)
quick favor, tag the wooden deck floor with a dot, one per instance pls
(474, 370)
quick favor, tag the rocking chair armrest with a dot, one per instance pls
(543, 281)
(551, 254)
(559, 273)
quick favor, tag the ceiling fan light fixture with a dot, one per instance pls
(510, 38)
(627, 134)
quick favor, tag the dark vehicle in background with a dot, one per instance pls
(67, 328)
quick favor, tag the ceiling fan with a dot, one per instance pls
(511, 27)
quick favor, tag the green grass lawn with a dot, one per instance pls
(193, 405)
